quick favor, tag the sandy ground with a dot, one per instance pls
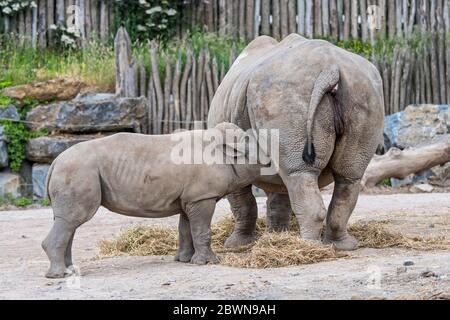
(367, 273)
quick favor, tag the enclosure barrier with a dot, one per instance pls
(340, 19)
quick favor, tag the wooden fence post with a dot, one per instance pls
(125, 65)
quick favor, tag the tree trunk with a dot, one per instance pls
(301, 17)
(340, 12)
(318, 31)
(125, 76)
(176, 94)
(284, 20)
(292, 16)
(334, 26)
(308, 18)
(242, 19)
(398, 17)
(355, 19)
(391, 18)
(42, 24)
(399, 164)
(326, 17)
(157, 82)
(250, 19)
(265, 17)
(276, 19)
(222, 18)
(364, 27)
(347, 14)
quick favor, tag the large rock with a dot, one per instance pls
(60, 89)
(39, 174)
(10, 185)
(46, 149)
(4, 160)
(8, 112)
(92, 113)
(417, 124)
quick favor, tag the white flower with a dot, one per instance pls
(71, 29)
(171, 12)
(67, 40)
(7, 10)
(141, 28)
(154, 9)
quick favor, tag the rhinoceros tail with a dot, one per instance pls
(327, 81)
(47, 180)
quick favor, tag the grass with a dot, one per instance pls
(271, 250)
(20, 63)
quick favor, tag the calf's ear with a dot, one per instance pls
(233, 140)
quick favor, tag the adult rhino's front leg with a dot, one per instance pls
(279, 211)
(245, 212)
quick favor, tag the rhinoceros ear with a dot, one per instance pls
(233, 140)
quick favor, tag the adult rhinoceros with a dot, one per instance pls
(328, 106)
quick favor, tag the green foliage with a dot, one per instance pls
(45, 202)
(148, 19)
(18, 135)
(18, 202)
(385, 182)
(5, 101)
(5, 84)
(22, 202)
(20, 63)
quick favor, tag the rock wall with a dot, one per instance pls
(415, 125)
(70, 122)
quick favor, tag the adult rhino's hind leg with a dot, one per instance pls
(279, 212)
(186, 245)
(343, 202)
(245, 212)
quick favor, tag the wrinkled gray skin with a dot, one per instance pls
(134, 175)
(294, 86)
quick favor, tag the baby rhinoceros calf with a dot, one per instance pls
(136, 175)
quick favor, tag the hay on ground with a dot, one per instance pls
(282, 249)
(374, 234)
(270, 250)
(141, 241)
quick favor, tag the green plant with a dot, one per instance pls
(148, 19)
(385, 182)
(22, 202)
(18, 135)
(5, 101)
(45, 202)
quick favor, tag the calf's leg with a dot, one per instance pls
(200, 215)
(186, 246)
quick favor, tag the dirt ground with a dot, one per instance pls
(366, 273)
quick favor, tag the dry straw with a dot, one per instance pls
(270, 250)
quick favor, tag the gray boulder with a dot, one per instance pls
(10, 185)
(8, 112)
(92, 113)
(4, 160)
(417, 124)
(46, 149)
(39, 175)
